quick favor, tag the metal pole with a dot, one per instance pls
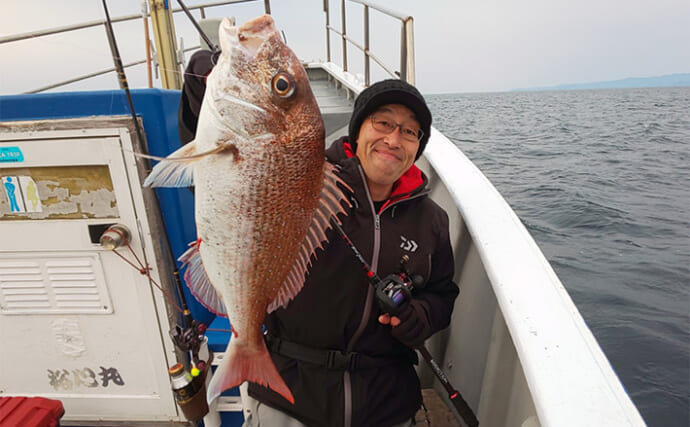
(367, 77)
(78, 79)
(166, 46)
(408, 25)
(51, 31)
(403, 53)
(145, 15)
(328, 30)
(342, 21)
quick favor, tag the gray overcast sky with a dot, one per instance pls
(461, 46)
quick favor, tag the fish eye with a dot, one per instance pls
(283, 84)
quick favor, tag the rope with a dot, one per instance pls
(146, 271)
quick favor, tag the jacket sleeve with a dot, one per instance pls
(193, 88)
(440, 291)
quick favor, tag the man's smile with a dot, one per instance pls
(386, 154)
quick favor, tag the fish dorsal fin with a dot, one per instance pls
(330, 205)
(198, 282)
(177, 170)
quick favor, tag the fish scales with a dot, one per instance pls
(259, 171)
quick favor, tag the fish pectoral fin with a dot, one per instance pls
(198, 282)
(177, 170)
(330, 206)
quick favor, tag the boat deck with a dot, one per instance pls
(334, 99)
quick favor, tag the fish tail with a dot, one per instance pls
(240, 364)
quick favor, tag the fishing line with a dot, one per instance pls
(181, 72)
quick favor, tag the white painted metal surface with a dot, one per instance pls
(523, 341)
(107, 361)
(40, 283)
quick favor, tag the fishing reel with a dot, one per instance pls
(188, 339)
(393, 291)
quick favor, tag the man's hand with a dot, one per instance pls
(411, 326)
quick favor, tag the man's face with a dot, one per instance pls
(386, 157)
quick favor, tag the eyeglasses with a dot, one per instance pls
(384, 125)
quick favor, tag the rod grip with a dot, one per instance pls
(464, 410)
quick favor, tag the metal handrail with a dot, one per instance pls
(57, 30)
(89, 24)
(407, 62)
(96, 74)
(407, 67)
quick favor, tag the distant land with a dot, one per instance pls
(678, 79)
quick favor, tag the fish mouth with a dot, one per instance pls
(241, 44)
(249, 36)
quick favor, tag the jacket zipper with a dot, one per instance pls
(347, 383)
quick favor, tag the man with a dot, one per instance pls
(389, 129)
(345, 362)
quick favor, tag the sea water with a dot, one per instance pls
(601, 179)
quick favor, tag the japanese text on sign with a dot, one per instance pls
(63, 379)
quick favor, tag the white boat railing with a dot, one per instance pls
(407, 68)
(570, 380)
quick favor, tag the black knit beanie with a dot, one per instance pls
(385, 92)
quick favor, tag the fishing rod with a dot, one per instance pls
(186, 338)
(213, 46)
(186, 387)
(392, 293)
(122, 78)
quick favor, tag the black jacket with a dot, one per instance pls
(336, 309)
(200, 65)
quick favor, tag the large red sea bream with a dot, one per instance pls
(264, 193)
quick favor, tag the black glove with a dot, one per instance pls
(414, 327)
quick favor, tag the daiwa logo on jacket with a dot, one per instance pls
(408, 244)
